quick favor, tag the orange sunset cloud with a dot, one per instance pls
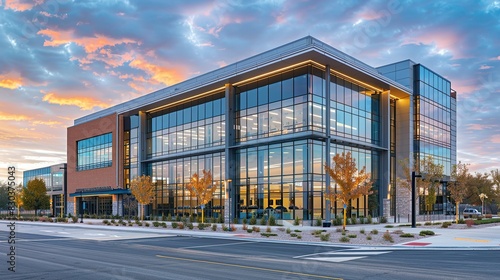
(13, 117)
(10, 83)
(90, 44)
(167, 76)
(84, 103)
(20, 6)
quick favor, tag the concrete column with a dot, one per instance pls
(404, 151)
(385, 136)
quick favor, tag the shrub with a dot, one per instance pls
(362, 231)
(426, 232)
(317, 232)
(446, 224)
(368, 237)
(389, 226)
(297, 230)
(164, 225)
(281, 229)
(268, 229)
(181, 225)
(272, 220)
(202, 226)
(337, 221)
(263, 222)
(220, 219)
(256, 229)
(105, 222)
(175, 225)
(112, 221)
(288, 230)
(267, 234)
(352, 235)
(296, 222)
(190, 225)
(233, 228)
(354, 220)
(235, 221)
(427, 223)
(139, 223)
(374, 231)
(369, 219)
(398, 231)
(130, 224)
(146, 224)
(249, 230)
(244, 227)
(383, 220)
(461, 221)
(253, 220)
(362, 220)
(299, 236)
(156, 224)
(74, 219)
(407, 235)
(344, 239)
(319, 222)
(214, 227)
(388, 237)
(325, 237)
(244, 221)
(339, 229)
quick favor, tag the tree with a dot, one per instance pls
(352, 183)
(458, 185)
(143, 190)
(432, 174)
(4, 196)
(495, 175)
(202, 189)
(34, 196)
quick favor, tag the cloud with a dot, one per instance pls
(84, 103)
(13, 117)
(484, 67)
(495, 138)
(21, 5)
(90, 44)
(10, 83)
(160, 74)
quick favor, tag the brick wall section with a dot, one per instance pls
(97, 177)
(403, 202)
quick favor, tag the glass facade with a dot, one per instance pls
(94, 152)
(286, 177)
(433, 118)
(53, 176)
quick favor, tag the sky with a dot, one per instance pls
(62, 59)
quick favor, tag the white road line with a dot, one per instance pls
(335, 259)
(217, 245)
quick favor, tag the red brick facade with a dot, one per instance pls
(100, 177)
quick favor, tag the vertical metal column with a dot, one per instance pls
(229, 207)
(328, 212)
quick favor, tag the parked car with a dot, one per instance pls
(471, 213)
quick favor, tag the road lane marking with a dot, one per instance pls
(335, 259)
(471, 240)
(345, 253)
(217, 245)
(249, 267)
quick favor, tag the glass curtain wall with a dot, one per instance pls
(433, 115)
(170, 178)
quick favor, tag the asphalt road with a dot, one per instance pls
(52, 255)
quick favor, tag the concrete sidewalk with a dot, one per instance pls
(467, 238)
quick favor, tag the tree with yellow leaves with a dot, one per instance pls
(353, 183)
(143, 190)
(18, 198)
(202, 189)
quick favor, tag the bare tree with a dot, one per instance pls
(458, 186)
(143, 190)
(353, 183)
(202, 189)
